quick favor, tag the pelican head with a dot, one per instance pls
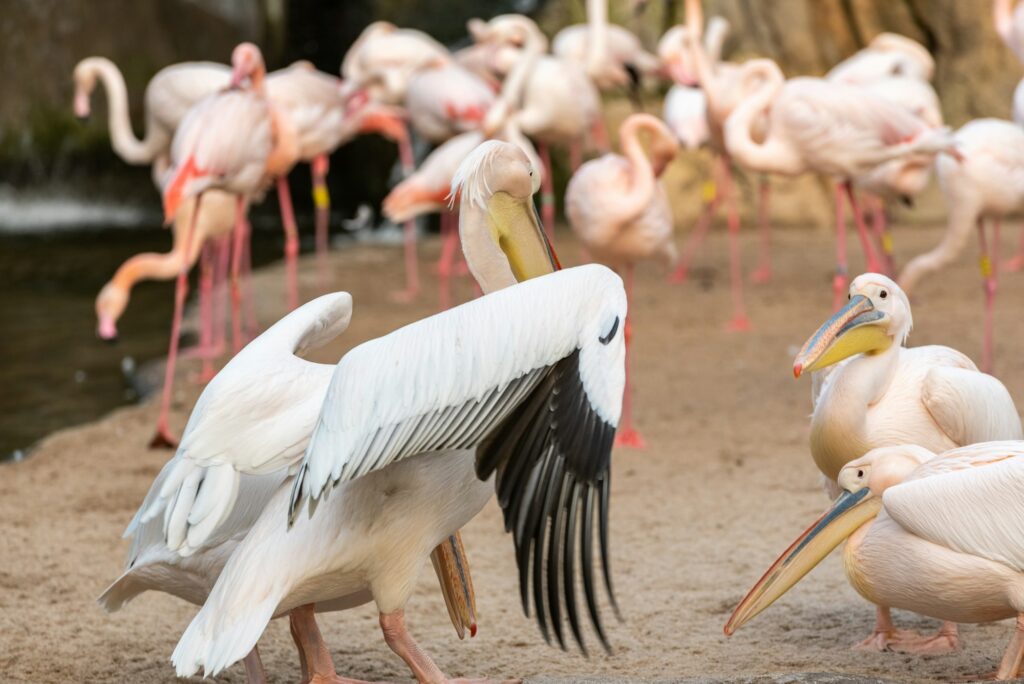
(862, 483)
(498, 224)
(876, 317)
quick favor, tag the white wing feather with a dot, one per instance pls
(970, 406)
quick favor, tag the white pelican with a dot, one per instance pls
(884, 394)
(938, 535)
(526, 382)
(189, 525)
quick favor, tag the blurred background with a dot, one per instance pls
(71, 211)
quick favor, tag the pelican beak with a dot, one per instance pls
(856, 328)
(452, 568)
(849, 512)
(516, 229)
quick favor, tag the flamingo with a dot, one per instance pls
(384, 57)
(622, 215)
(936, 534)
(230, 141)
(1009, 22)
(185, 558)
(612, 56)
(508, 416)
(551, 100)
(887, 55)
(872, 392)
(987, 184)
(831, 128)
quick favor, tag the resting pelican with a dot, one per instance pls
(262, 405)
(938, 535)
(525, 383)
(884, 394)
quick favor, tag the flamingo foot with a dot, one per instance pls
(630, 439)
(679, 275)
(739, 324)
(1015, 264)
(761, 275)
(406, 296)
(162, 439)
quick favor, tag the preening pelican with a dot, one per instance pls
(938, 535)
(524, 384)
(884, 394)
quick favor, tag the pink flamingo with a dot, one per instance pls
(987, 183)
(551, 100)
(232, 141)
(835, 129)
(1009, 21)
(887, 55)
(384, 57)
(620, 211)
(724, 90)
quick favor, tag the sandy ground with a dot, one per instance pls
(725, 484)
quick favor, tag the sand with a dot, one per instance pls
(726, 482)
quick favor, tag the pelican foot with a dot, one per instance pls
(938, 644)
(885, 640)
(761, 275)
(630, 439)
(405, 296)
(739, 324)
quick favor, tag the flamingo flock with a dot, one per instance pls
(299, 488)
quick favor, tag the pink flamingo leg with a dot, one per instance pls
(1017, 262)
(412, 269)
(237, 249)
(989, 272)
(740, 322)
(220, 279)
(449, 245)
(291, 242)
(874, 265)
(839, 281)
(206, 345)
(763, 272)
(547, 193)
(880, 224)
(627, 435)
(322, 203)
(710, 197)
(163, 438)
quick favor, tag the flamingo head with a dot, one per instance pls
(247, 64)
(110, 304)
(85, 83)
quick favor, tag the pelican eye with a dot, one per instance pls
(860, 473)
(883, 294)
(849, 296)
(611, 333)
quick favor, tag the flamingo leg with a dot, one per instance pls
(412, 271)
(763, 272)
(162, 437)
(206, 320)
(575, 154)
(627, 435)
(709, 195)
(237, 248)
(739, 322)
(1017, 262)
(449, 245)
(248, 302)
(254, 673)
(880, 224)
(322, 203)
(873, 264)
(840, 280)
(291, 242)
(220, 279)
(547, 193)
(987, 264)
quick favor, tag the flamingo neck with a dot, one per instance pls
(597, 35)
(515, 83)
(122, 137)
(775, 154)
(643, 182)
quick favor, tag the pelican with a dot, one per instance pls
(939, 535)
(262, 405)
(872, 391)
(522, 386)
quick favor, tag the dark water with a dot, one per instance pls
(54, 371)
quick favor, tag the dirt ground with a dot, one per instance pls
(726, 482)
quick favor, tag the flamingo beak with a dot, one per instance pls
(106, 329)
(849, 511)
(856, 328)
(81, 106)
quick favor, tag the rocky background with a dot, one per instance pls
(43, 147)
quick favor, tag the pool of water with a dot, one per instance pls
(54, 371)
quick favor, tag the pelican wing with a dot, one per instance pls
(255, 417)
(970, 500)
(970, 406)
(531, 377)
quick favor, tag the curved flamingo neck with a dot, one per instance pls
(122, 137)
(146, 266)
(515, 83)
(775, 154)
(641, 191)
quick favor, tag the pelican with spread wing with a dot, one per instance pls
(522, 387)
(939, 535)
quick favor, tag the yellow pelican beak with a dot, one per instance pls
(516, 229)
(849, 512)
(854, 329)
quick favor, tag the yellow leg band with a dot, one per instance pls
(985, 264)
(887, 243)
(708, 191)
(321, 198)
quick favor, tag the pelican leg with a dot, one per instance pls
(314, 656)
(885, 636)
(291, 242)
(763, 272)
(322, 202)
(1013, 657)
(405, 647)
(946, 640)
(254, 673)
(840, 280)
(739, 322)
